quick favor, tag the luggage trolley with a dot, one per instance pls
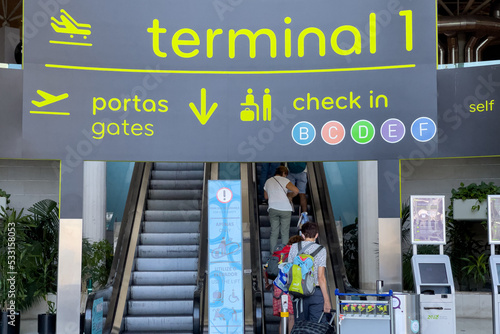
(374, 315)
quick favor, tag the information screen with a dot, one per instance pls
(432, 273)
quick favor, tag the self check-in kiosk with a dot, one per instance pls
(434, 285)
(495, 282)
(432, 274)
(494, 239)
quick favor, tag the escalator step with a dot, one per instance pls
(171, 227)
(175, 185)
(178, 166)
(170, 239)
(174, 205)
(172, 215)
(160, 307)
(179, 292)
(175, 194)
(159, 323)
(187, 264)
(179, 176)
(160, 251)
(164, 277)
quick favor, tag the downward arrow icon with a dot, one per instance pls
(202, 115)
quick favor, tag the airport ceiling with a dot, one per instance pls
(11, 11)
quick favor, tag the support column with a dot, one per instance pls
(94, 200)
(9, 38)
(390, 261)
(368, 224)
(70, 251)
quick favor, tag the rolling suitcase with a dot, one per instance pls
(308, 327)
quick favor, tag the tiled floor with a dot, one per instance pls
(464, 326)
(474, 326)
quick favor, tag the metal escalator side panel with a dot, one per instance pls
(323, 209)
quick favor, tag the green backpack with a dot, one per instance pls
(301, 275)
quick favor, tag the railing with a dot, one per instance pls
(320, 198)
(257, 294)
(123, 260)
(199, 293)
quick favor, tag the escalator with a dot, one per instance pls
(319, 211)
(155, 278)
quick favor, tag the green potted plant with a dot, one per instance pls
(4, 199)
(44, 236)
(97, 258)
(468, 200)
(16, 294)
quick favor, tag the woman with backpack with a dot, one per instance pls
(279, 191)
(312, 307)
(278, 292)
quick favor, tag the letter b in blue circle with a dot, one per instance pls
(303, 133)
(423, 129)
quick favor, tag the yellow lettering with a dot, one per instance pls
(155, 30)
(125, 103)
(373, 32)
(302, 36)
(356, 46)
(95, 107)
(145, 105)
(210, 41)
(338, 104)
(151, 132)
(99, 133)
(163, 105)
(252, 38)
(327, 103)
(136, 127)
(295, 103)
(118, 104)
(408, 14)
(176, 41)
(116, 132)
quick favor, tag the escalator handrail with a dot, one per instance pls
(331, 234)
(256, 260)
(199, 293)
(126, 246)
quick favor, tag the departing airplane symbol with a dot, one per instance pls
(48, 99)
(202, 115)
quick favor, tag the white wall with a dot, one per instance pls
(440, 176)
(29, 181)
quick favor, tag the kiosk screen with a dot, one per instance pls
(498, 269)
(433, 273)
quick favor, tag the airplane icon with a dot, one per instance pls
(48, 98)
(68, 25)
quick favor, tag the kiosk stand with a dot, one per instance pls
(494, 239)
(432, 274)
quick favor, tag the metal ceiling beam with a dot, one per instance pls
(4, 7)
(14, 10)
(478, 8)
(468, 6)
(441, 2)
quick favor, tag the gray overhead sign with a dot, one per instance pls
(229, 80)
